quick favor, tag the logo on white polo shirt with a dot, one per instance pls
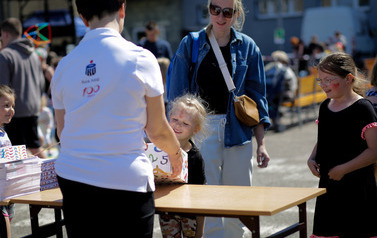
(90, 91)
(91, 69)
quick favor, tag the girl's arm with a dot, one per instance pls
(161, 134)
(367, 157)
(262, 156)
(313, 166)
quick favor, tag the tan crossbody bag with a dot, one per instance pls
(245, 108)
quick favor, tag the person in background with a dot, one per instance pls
(164, 65)
(300, 56)
(318, 52)
(7, 100)
(45, 125)
(371, 95)
(106, 93)
(345, 153)
(340, 41)
(48, 70)
(159, 47)
(281, 84)
(187, 117)
(313, 43)
(227, 151)
(21, 69)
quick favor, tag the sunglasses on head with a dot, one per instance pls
(227, 12)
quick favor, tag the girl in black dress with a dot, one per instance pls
(345, 154)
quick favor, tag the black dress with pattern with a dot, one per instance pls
(349, 207)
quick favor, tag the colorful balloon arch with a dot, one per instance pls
(39, 34)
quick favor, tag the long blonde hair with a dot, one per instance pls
(240, 11)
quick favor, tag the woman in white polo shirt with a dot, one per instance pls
(106, 92)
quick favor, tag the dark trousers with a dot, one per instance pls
(91, 211)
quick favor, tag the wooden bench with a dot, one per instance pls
(368, 64)
(309, 95)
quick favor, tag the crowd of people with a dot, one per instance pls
(307, 55)
(108, 101)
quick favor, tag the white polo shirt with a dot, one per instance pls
(102, 85)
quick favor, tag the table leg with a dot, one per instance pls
(34, 211)
(47, 230)
(58, 218)
(303, 220)
(3, 226)
(252, 222)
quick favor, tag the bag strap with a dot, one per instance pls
(221, 61)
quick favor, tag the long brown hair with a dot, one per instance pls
(342, 64)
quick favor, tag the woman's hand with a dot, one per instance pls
(262, 156)
(176, 164)
(314, 167)
(161, 134)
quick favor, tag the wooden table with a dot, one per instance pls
(245, 203)
(51, 198)
(3, 224)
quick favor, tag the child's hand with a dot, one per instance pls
(336, 173)
(176, 164)
(314, 167)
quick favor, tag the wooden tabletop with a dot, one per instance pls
(231, 200)
(5, 202)
(50, 197)
(207, 199)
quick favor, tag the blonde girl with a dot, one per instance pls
(7, 102)
(345, 153)
(187, 117)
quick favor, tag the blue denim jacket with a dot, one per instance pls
(247, 73)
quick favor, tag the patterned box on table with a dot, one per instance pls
(11, 153)
(162, 167)
(48, 174)
(19, 176)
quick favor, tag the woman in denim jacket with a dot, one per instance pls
(227, 151)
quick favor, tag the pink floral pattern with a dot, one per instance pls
(175, 226)
(371, 125)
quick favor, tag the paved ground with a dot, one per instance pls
(288, 150)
